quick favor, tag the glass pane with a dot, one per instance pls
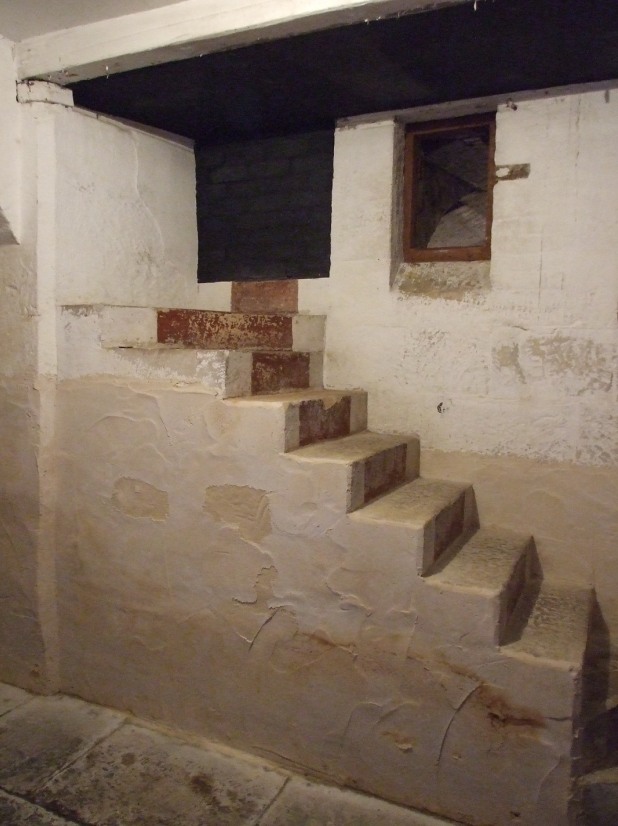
(450, 188)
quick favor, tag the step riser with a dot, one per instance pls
(212, 330)
(523, 585)
(224, 331)
(315, 420)
(452, 524)
(271, 372)
(380, 473)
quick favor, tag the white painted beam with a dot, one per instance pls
(188, 29)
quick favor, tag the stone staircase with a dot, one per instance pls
(514, 644)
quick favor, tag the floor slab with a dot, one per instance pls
(11, 697)
(303, 803)
(64, 762)
(42, 736)
(17, 812)
(139, 777)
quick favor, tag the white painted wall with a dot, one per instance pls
(27, 395)
(507, 373)
(126, 223)
(525, 366)
(10, 154)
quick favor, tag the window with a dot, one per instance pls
(448, 181)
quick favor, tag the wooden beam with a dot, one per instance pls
(188, 29)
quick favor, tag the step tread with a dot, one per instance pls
(607, 775)
(413, 504)
(294, 397)
(227, 314)
(349, 449)
(485, 563)
(557, 628)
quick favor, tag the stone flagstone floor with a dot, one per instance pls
(64, 762)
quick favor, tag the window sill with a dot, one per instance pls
(448, 280)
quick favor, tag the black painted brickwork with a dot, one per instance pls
(264, 207)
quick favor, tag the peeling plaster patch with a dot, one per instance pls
(263, 588)
(512, 172)
(134, 497)
(507, 357)
(453, 280)
(598, 437)
(241, 507)
(81, 310)
(586, 363)
(431, 352)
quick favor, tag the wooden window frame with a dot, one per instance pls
(412, 161)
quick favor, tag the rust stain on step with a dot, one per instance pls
(265, 296)
(279, 371)
(318, 420)
(504, 714)
(212, 330)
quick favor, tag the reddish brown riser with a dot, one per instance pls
(265, 296)
(212, 330)
(279, 371)
(384, 471)
(318, 421)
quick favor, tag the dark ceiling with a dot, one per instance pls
(309, 81)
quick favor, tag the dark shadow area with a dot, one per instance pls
(264, 208)
(599, 715)
(305, 83)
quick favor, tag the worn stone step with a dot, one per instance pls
(557, 627)
(597, 794)
(444, 512)
(481, 586)
(216, 330)
(224, 373)
(362, 466)
(288, 420)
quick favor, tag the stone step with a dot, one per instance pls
(224, 373)
(557, 627)
(445, 512)
(362, 466)
(286, 421)
(597, 795)
(481, 586)
(216, 330)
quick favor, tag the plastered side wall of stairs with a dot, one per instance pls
(263, 569)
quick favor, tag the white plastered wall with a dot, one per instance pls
(508, 373)
(10, 137)
(126, 223)
(108, 217)
(27, 394)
